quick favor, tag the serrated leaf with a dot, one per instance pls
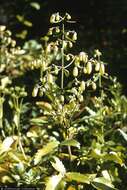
(83, 178)
(53, 182)
(58, 165)
(35, 5)
(45, 150)
(70, 142)
(102, 183)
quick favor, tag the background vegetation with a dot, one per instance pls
(63, 114)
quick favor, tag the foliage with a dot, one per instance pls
(69, 130)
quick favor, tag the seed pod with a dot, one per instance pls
(89, 67)
(97, 66)
(74, 37)
(50, 78)
(75, 72)
(82, 86)
(94, 86)
(102, 69)
(35, 91)
(84, 70)
(52, 18)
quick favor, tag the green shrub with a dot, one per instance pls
(67, 128)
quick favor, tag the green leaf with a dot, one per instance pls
(53, 182)
(102, 183)
(83, 178)
(35, 5)
(113, 156)
(58, 165)
(39, 120)
(45, 150)
(123, 134)
(70, 142)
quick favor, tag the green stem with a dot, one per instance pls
(18, 112)
(1, 113)
(62, 52)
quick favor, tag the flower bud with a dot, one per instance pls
(2, 28)
(97, 53)
(35, 91)
(83, 57)
(74, 37)
(52, 18)
(82, 86)
(75, 72)
(94, 86)
(68, 17)
(89, 67)
(50, 78)
(48, 49)
(84, 70)
(56, 70)
(57, 17)
(80, 97)
(97, 66)
(64, 44)
(62, 98)
(68, 57)
(102, 69)
(70, 44)
(57, 29)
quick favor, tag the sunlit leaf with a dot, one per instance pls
(83, 178)
(44, 105)
(123, 134)
(39, 120)
(113, 156)
(45, 150)
(106, 175)
(102, 183)
(70, 142)
(7, 143)
(58, 165)
(53, 182)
